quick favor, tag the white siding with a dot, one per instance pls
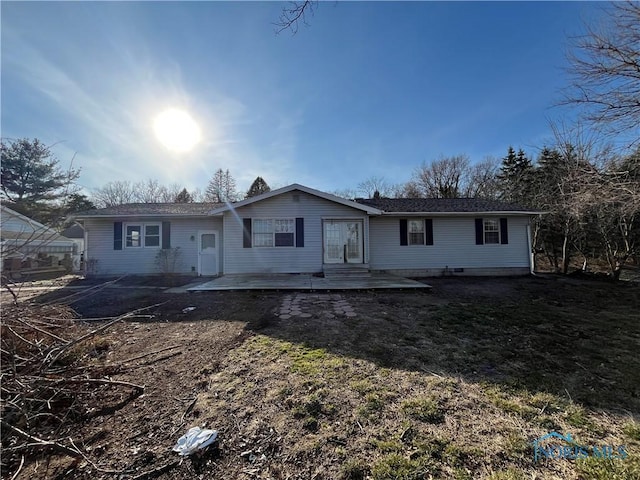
(142, 260)
(454, 246)
(307, 259)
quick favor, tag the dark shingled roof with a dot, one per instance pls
(155, 209)
(74, 231)
(440, 205)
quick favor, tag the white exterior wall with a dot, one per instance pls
(307, 259)
(141, 261)
(454, 246)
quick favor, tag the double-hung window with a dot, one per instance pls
(416, 232)
(263, 233)
(274, 232)
(491, 231)
(284, 232)
(138, 235)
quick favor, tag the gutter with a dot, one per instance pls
(511, 213)
(146, 215)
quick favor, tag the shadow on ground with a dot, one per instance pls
(571, 338)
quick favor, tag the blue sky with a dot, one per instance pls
(368, 88)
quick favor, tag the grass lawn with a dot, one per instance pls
(455, 383)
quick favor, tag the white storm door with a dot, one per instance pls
(333, 244)
(343, 241)
(208, 252)
(353, 241)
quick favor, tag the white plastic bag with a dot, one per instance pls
(195, 439)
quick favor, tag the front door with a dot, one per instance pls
(208, 253)
(343, 241)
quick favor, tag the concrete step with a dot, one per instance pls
(346, 272)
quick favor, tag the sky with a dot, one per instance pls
(365, 89)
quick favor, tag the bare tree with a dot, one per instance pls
(221, 187)
(608, 200)
(294, 13)
(346, 193)
(197, 195)
(483, 179)
(169, 193)
(373, 184)
(114, 193)
(148, 191)
(605, 65)
(123, 191)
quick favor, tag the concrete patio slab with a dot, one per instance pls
(305, 282)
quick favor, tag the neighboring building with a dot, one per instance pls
(297, 229)
(75, 233)
(31, 247)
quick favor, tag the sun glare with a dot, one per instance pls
(176, 130)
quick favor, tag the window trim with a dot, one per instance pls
(273, 232)
(143, 234)
(496, 231)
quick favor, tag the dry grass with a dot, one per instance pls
(454, 384)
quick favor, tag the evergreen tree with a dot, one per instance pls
(515, 177)
(183, 197)
(258, 187)
(32, 178)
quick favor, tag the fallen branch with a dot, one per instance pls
(102, 319)
(151, 353)
(189, 408)
(98, 330)
(41, 443)
(52, 335)
(15, 475)
(166, 357)
(89, 291)
(156, 472)
(102, 381)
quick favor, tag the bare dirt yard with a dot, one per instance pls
(457, 382)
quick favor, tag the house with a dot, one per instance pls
(297, 229)
(75, 233)
(28, 246)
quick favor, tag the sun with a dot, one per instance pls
(176, 130)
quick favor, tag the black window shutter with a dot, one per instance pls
(428, 231)
(479, 232)
(403, 232)
(166, 235)
(299, 232)
(504, 233)
(246, 233)
(117, 235)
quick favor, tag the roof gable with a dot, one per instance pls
(295, 186)
(17, 226)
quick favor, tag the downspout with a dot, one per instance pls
(531, 266)
(85, 250)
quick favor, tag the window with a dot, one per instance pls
(142, 235)
(491, 231)
(263, 233)
(416, 232)
(274, 232)
(285, 231)
(152, 235)
(133, 236)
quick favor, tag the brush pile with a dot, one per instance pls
(52, 378)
